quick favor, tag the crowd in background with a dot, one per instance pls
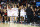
(32, 11)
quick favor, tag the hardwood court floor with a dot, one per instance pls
(15, 25)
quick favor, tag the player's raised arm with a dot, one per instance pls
(7, 6)
(13, 6)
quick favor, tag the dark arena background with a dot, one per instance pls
(19, 13)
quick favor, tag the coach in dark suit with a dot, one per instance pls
(29, 14)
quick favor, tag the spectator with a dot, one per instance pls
(1, 12)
